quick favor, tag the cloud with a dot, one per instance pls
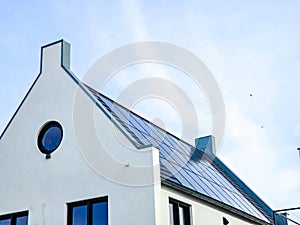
(134, 19)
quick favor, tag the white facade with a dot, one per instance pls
(43, 186)
(202, 213)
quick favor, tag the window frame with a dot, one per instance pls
(43, 131)
(87, 202)
(176, 204)
(13, 216)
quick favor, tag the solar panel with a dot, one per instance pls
(181, 162)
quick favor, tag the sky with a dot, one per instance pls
(251, 48)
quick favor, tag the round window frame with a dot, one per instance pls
(42, 133)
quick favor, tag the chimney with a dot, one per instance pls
(207, 145)
(56, 54)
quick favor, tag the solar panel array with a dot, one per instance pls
(181, 163)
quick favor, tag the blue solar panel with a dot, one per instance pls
(182, 163)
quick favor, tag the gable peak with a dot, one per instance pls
(56, 54)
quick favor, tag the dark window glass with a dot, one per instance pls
(80, 215)
(50, 137)
(179, 213)
(20, 218)
(5, 222)
(100, 213)
(88, 212)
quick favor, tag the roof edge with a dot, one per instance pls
(88, 90)
(246, 189)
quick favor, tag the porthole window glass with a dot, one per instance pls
(50, 137)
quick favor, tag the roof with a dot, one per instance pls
(188, 168)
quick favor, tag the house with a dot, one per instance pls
(71, 155)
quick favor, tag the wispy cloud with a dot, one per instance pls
(134, 19)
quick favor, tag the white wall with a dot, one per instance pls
(44, 186)
(202, 214)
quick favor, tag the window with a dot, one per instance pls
(179, 213)
(225, 221)
(50, 137)
(88, 212)
(20, 218)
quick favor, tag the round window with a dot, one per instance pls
(50, 137)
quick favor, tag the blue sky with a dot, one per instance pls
(251, 47)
